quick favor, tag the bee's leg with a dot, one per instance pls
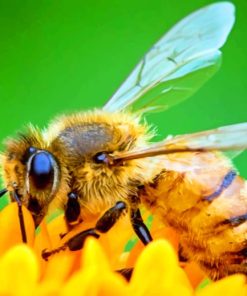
(20, 212)
(73, 209)
(21, 218)
(75, 243)
(110, 217)
(104, 224)
(72, 212)
(139, 227)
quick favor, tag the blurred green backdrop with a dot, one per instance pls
(63, 56)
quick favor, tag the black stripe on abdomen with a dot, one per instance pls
(235, 221)
(226, 182)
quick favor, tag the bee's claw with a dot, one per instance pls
(46, 254)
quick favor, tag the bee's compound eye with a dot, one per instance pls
(42, 170)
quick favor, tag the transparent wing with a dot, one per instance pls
(179, 63)
(227, 138)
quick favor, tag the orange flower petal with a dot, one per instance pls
(134, 254)
(194, 273)
(167, 233)
(42, 241)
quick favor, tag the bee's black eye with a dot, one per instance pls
(42, 170)
(102, 157)
(29, 152)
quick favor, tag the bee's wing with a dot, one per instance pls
(231, 137)
(227, 138)
(179, 63)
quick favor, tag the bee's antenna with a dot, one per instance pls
(3, 191)
(20, 215)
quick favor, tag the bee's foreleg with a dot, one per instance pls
(72, 210)
(139, 227)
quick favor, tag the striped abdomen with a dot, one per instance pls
(206, 201)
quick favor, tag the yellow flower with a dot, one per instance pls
(91, 271)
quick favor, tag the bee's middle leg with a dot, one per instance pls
(107, 221)
(104, 224)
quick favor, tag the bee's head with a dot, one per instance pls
(32, 172)
(74, 155)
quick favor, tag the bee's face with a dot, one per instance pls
(32, 172)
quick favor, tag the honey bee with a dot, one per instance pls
(103, 161)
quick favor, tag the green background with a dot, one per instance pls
(63, 56)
